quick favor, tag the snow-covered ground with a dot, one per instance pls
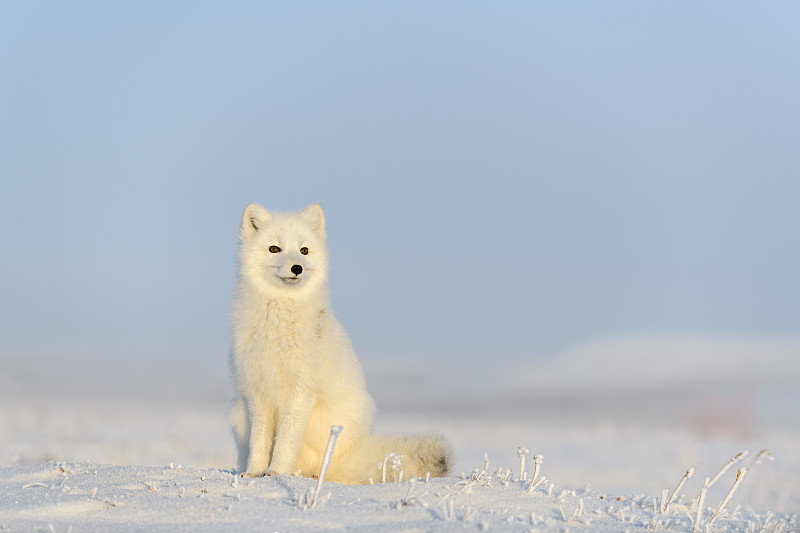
(66, 496)
(617, 422)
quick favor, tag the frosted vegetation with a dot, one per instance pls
(65, 496)
(86, 445)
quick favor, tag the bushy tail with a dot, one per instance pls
(420, 455)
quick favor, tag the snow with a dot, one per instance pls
(81, 496)
(143, 444)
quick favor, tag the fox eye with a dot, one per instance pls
(274, 249)
(304, 250)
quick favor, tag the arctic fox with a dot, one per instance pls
(294, 369)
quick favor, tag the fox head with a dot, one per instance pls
(284, 253)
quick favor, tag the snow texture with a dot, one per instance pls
(78, 441)
(69, 496)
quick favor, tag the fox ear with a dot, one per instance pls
(313, 215)
(253, 219)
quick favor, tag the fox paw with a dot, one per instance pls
(262, 474)
(265, 473)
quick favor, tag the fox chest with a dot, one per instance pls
(278, 364)
(279, 347)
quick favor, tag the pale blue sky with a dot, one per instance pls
(513, 175)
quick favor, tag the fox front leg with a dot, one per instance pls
(262, 435)
(240, 423)
(291, 428)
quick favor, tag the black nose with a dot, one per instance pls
(297, 270)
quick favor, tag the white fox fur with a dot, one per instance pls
(294, 369)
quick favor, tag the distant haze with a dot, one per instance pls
(497, 177)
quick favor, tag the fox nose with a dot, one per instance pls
(297, 270)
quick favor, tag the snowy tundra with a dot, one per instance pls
(294, 368)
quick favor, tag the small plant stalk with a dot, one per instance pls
(395, 465)
(542, 480)
(735, 459)
(537, 462)
(522, 451)
(763, 454)
(701, 501)
(326, 461)
(382, 468)
(721, 509)
(689, 473)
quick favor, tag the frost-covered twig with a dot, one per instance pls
(542, 481)
(701, 501)
(658, 525)
(721, 509)
(469, 514)
(763, 454)
(410, 499)
(393, 460)
(444, 497)
(522, 451)
(735, 459)
(578, 512)
(326, 461)
(447, 510)
(382, 466)
(687, 475)
(406, 499)
(467, 486)
(397, 461)
(563, 514)
(480, 475)
(537, 462)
